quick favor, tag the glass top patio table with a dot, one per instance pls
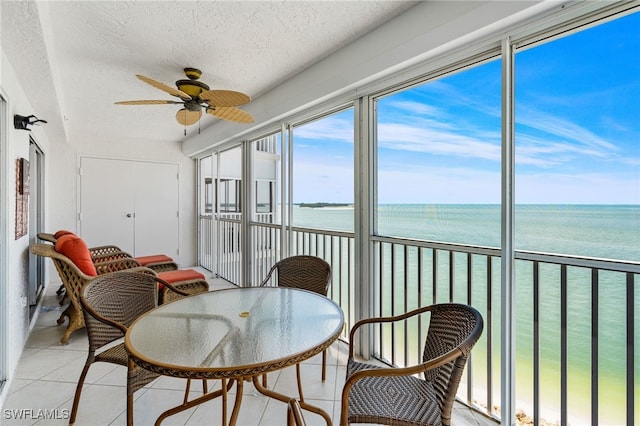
(236, 333)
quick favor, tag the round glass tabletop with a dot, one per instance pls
(236, 331)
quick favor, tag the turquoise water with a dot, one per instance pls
(603, 231)
(600, 231)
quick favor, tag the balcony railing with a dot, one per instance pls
(575, 317)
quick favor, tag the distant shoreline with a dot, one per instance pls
(320, 205)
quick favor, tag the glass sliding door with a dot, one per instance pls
(4, 143)
(36, 223)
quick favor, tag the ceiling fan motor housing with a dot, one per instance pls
(192, 73)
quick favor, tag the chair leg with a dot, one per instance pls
(324, 365)
(129, 409)
(299, 377)
(76, 398)
(130, 391)
(186, 392)
(76, 322)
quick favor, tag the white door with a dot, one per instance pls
(107, 203)
(131, 204)
(156, 209)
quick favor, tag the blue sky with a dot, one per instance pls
(577, 130)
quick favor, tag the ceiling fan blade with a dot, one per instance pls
(231, 114)
(187, 118)
(224, 98)
(147, 102)
(170, 90)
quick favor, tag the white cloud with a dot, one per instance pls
(409, 138)
(329, 128)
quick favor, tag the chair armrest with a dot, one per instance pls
(45, 236)
(268, 277)
(379, 320)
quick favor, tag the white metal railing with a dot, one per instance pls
(411, 273)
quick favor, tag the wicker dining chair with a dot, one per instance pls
(111, 303)
(401, 395)
(304, 272)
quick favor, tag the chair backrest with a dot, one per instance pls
(306, 272)
(70, 275)
(112, 302)
(452, 327)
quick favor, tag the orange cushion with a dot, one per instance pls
(77, 251)
(180, 275)
(155, 258)
(62, 232)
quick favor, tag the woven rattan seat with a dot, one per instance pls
(421, 394)
(111, 303)
(304, 272)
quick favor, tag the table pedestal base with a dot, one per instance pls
(197, 401)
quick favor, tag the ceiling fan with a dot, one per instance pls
(195, 96)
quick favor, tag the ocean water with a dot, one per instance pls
(598, 231)
(601, 231)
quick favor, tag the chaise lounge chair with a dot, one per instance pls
(73, 262)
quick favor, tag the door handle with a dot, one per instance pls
(129, 215)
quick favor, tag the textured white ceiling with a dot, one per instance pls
(74, 59)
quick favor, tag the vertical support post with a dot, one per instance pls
(507, 320)
(283, 191)
(364, 207)
(289, 245)
(630, 351)
(248, 214)
(217, 228)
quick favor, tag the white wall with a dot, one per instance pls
(16, 268)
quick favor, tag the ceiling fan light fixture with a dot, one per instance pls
(191, 87)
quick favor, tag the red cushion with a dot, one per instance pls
(155, 258)
(62, 232)
(180, 275)
(77, 251)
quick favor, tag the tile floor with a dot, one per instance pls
(44, 384)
